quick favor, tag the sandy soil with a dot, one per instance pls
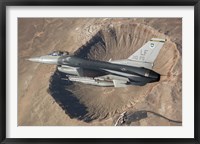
(44, 98)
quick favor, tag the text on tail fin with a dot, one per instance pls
(149, 51)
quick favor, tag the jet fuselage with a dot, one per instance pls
(134, 74)
(135, 70)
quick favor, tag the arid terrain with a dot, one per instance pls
(46, 99)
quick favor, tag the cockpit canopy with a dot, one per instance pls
(58, 53)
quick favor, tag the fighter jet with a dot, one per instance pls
(135, 70)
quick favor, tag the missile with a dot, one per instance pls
(88, 80)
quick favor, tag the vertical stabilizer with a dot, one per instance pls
(148, 52)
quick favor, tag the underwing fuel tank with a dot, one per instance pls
(70, 71)
(88, 80)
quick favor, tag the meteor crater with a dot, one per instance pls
(114, 42)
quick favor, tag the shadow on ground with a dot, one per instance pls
(62, 89)
(65, 98)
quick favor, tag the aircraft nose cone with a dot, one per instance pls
(45, 59)
(35, 59)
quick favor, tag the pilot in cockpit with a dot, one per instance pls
(59, 53)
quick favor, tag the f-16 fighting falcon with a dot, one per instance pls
(136, 70)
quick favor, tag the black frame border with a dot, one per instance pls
(5, 3)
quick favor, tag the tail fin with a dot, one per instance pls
(149, 51)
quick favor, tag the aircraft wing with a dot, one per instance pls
(133, 63)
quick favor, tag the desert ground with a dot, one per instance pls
(45, 99)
